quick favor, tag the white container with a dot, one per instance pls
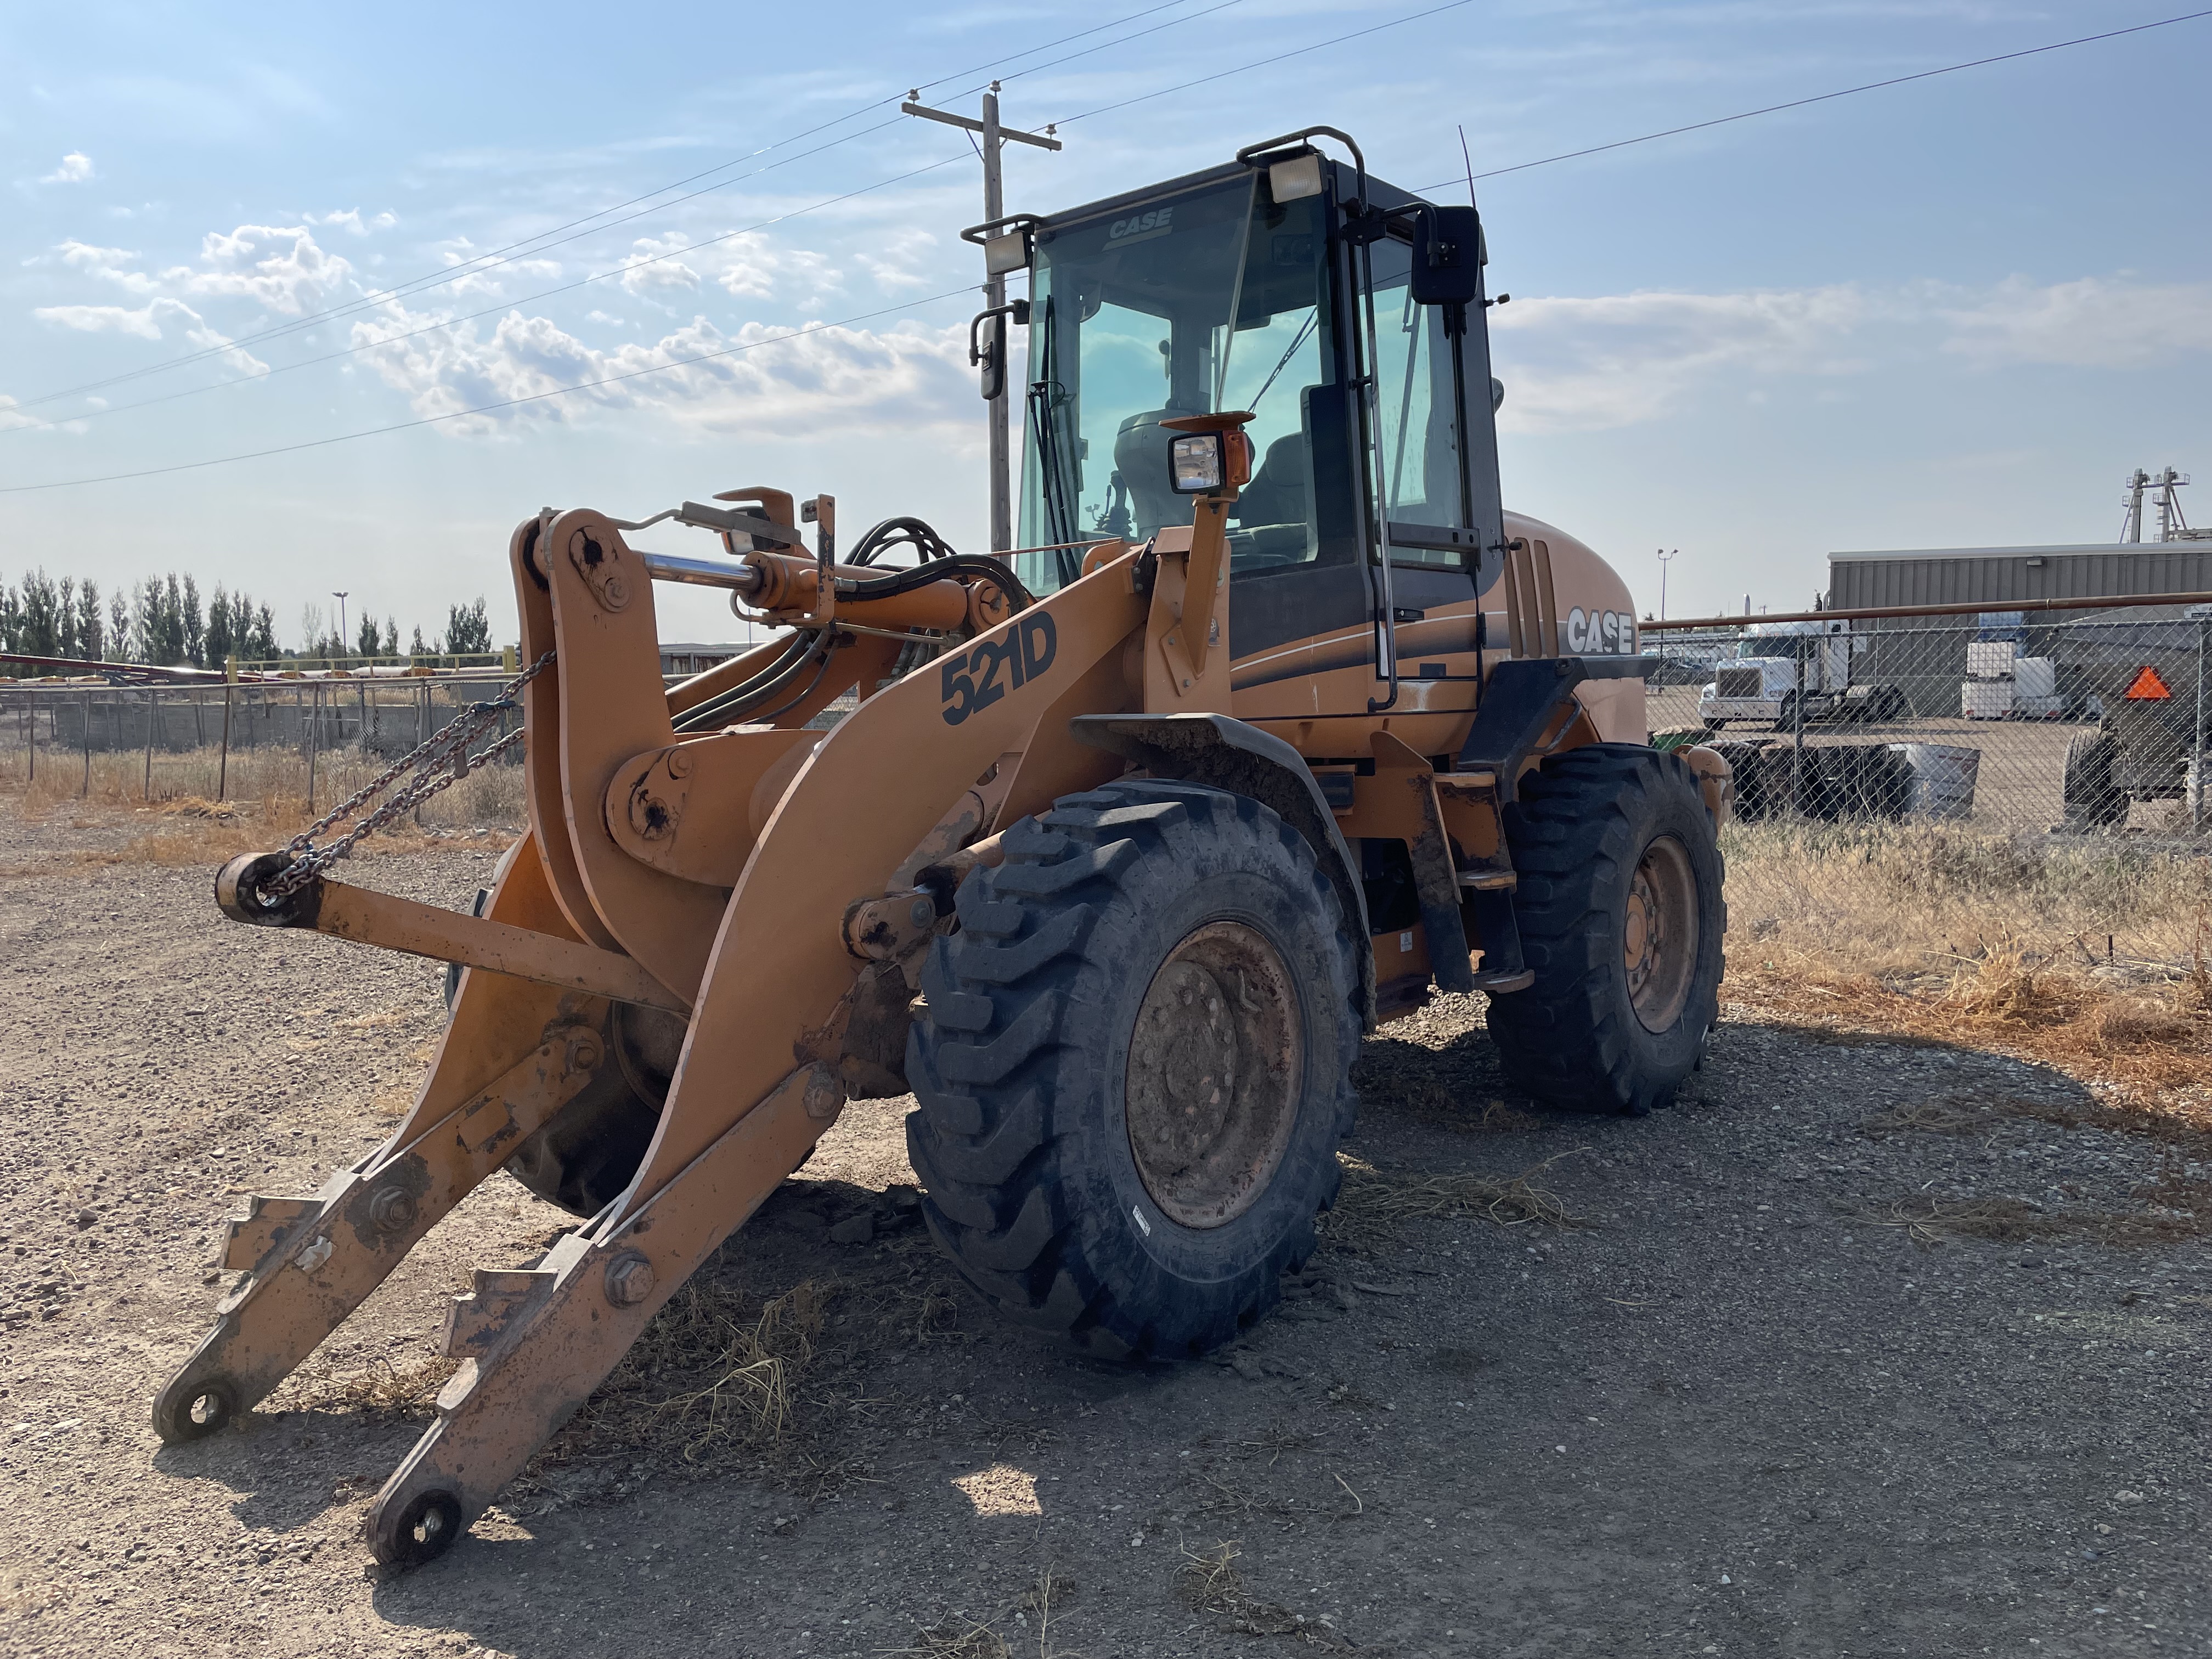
(2035, 677)
(1990, 659)
(1943, 776)
(1985, 700)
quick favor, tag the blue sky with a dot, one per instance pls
(1954, 313)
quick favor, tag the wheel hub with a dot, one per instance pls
(1216, 1066)
(1659, 933)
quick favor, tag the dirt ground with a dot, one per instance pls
(1767, 1395)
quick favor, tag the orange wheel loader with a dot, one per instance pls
(1277, 724)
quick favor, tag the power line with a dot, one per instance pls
(1451, 5)
(487, 409)
(539, 241)
(1824, 97)
(405, 291)
(446, 322)
(1280, 57)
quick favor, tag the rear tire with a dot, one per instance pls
(1134, 1068)
(1621, 920)
(2094, 801)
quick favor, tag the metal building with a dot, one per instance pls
(2001, 577)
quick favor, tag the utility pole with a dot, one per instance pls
(993, 140)
(341, 599)
(1666, 558)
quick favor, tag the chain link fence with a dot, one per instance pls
(2012, 721)
(229, 742)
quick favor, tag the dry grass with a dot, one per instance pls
(264, 796)
(962, 1637)
(709, 1375)
(955, 1638)
(2091, 959)
(2169, 1210)
(183, 826)
(1372, 1203)
(1207, 1580)
(382, 1392)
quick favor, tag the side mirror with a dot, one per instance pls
(1447, 256)
(991, 354)
(986, 344)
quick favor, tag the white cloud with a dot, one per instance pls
(74, 169)
(351, 220)
(146, 324)
(897, 266)
(2094, 323)
(755, 269)
(108, 263)
(489, 280)
(651, 269)
(281, 268)
(1574, 364)
(1619, 360)
(852, 380)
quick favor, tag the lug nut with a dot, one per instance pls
(629, 1280)
(393, 1210)
(584, 1051)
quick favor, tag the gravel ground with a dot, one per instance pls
(1727, 1413)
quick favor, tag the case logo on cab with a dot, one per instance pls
(1601, 633)
(1159, 223)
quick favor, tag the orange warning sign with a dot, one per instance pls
(2149, 688)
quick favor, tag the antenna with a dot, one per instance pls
(1468, 162)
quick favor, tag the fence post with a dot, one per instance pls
(2197, 758)
(222, 761)
(1797, 735)
(31, 710)
(153, 720)
(314, 736)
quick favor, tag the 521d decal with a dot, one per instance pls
(988, 670)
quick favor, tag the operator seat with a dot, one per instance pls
(1140, 456)
(1275, 510)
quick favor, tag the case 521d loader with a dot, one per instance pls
(1278, 720)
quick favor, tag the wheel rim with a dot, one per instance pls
(1659, 938)
(1217, 1063)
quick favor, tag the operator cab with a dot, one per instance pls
(1249, 287)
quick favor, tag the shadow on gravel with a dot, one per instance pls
(1850, 1338)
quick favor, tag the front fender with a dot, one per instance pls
(1229, 754)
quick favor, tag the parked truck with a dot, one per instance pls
(1781, 665)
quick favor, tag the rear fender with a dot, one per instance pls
(1229, 754)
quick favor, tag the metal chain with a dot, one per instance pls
(438, 763)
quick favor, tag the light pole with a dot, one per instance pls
(341, 599)
(1666, 558)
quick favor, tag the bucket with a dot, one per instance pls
(1942, 778)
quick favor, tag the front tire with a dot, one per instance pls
(1134, 1068)
(1622, 921)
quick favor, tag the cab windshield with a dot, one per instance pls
(1216, 299)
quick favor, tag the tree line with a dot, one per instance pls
(163, 621)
